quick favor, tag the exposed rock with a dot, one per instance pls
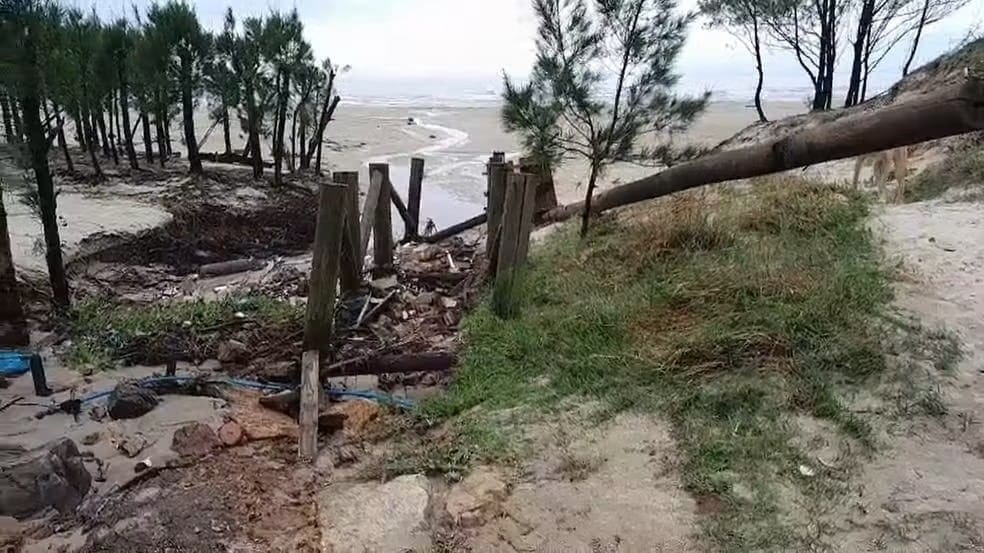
(129, 401)
(385, 284)
(51, 476)
(383, 518)
(230, 433)
(194, 440)
(90, 439)
(362, 418)
(233, 351)
(477, 498)
(11, 535)
(424, 299)
(132, 445)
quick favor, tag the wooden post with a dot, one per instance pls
(531, 184)
(320, 309)
(496, 196)
(351, 270)
(382, 229)
(511, 222)
(369, 210)
(413, 194)
(498, 157)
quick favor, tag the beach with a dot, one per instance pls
(456, 141)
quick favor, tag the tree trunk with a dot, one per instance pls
(860, 48)
(147, 140)
(278, 145)
(226, 133)
(15, 116)
(13, 326)
(304, 160)
(167, 132)
(80, 130)
(952, 110)
(100, 123)
(321, 131)
(118, 135)
(112, 136)
(758, 68)
(327, 109)
(8, 124)
(62, 143)
(90, 137)
(293, 143)
(38, 146)
(188, 107)
(131, 152)
(162, 150)
(915, 41)
(586, 215)
(252, 116)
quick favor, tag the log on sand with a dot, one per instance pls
(950, 111)
(438, 361)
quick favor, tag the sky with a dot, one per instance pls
(453, 47)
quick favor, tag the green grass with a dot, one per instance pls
(727, 317)
(104, 334)
(963, 169)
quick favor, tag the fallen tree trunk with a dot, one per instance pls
(455, 229)
(440, 361)
(953, 110)
(230, 267)
(235, 159)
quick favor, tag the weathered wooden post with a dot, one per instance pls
(369, 210)
(382, 230)
(496, 196)
(320, 310)
(413, 194)
(351, 270)
(505, 302)
(530, 197)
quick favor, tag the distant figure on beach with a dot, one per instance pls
(411, 121)
(430, 228)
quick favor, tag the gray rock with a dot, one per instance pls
(477, 498)
(233, 351)
(382, 518)
(33, 480)
(129, 401)
(195, 439)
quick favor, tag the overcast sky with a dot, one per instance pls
(468, 43)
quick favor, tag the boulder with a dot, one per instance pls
(233, 351)
(33, 480)
(194, 439)
(383, 518)
(477, 498)
(129, 401)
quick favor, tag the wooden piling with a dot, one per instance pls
(350, 276)
(530, 192)
(496, 196)
(413, 194)
(382, 230)
(369, 210)
(511, 222)
(329, 232)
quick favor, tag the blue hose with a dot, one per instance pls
(370, 395)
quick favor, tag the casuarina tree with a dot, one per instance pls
(602, 85)
(744, 20)
(177, 26)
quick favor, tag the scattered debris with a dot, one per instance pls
(233, 351)
(361, 418)
(33, 480)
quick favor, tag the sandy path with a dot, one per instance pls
(925, 492)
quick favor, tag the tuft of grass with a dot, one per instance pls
(962, 169)
(727, 315)
(104, 333)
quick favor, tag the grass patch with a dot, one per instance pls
(104, 334)
(962, 169)
(728, 315)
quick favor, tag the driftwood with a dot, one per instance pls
(454, 230)
(436, 278)
(950, 111)
(234, 159)
(230, 267)
(385, 364)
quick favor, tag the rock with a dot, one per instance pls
(425, 299)
(385, 284)
(383, 518)
(362, 418)
(33, 480)
(90, 439)
(129, 401)
(477, 498)
(230, 433)
(194, 440)
(11, 534)
(233, 351)
(132, 445)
